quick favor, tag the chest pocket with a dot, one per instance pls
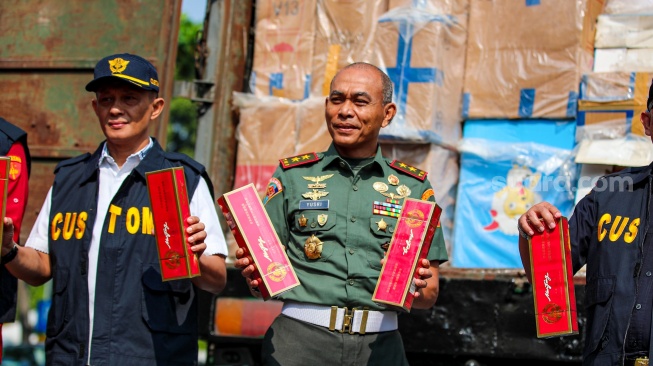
(383, 226)
(314, 221)
(382, 238)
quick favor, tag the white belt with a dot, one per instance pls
(342, 319)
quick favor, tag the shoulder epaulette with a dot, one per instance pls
(410, 170)
(72, 161)
(298, 160)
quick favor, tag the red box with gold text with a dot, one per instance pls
(553, 286)
(253, 231)
(410, 242)
(170, 209)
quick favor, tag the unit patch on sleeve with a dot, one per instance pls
(273, 189)
(298, 160)
(427, 194)
(410, 170)
(15, 167)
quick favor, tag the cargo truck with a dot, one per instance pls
(47, 54)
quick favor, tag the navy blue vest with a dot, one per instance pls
(609, 227)
(8, 284)
(138, 319)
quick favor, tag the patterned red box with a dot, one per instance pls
(410, 242)
(253, 231)
(170, 209)
(553, 285)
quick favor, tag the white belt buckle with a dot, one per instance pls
(348, 320)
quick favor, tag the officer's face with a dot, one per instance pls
(355, 112)
(125, 112)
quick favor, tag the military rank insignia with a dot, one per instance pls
(410, 170)
(298, 160)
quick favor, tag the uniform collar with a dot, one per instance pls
(140, 155)
(331, 156)
(152, 159)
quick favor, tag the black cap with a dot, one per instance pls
(130, 68)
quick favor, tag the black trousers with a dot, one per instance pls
(291, 342)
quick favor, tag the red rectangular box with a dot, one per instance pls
(410, 242)
(553, 286)
(253, 231)
(170, 209)
(5, 167)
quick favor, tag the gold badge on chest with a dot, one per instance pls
(313, 247)
(402, 190)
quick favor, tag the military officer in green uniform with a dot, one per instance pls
(336, 211)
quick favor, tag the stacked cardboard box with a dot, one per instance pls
(283, 48)
(344, 34)
(624, 42)
(422, 48)
(520, 66)
(270, 129)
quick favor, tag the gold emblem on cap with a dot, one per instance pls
(322, 219)
(302, 221)
(313, 247)
(315, 195)
(316, 181)
(382, 225)
(117, 65)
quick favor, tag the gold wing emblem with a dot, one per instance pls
(315, 195)
(316, 181)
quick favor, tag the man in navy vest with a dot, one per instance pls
(13, 144)
(609, 232)
(93, 238)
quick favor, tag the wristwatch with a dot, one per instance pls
(522, 233)
(9, 256)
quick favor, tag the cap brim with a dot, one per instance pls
(95, 84)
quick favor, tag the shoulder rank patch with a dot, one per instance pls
(410, 170)
(298, 160)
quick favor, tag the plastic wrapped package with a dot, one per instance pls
(441, 164)
(505, 168)
(272, 128)
(423, 52)
(628, 6)
(283, 48)
(624, 31)
(631, 150)
(610, 104)
(623, 59)
(344, 34)
(436, 6)
(524, 58)
(312, 132)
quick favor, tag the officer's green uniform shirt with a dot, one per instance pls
(353, 240)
